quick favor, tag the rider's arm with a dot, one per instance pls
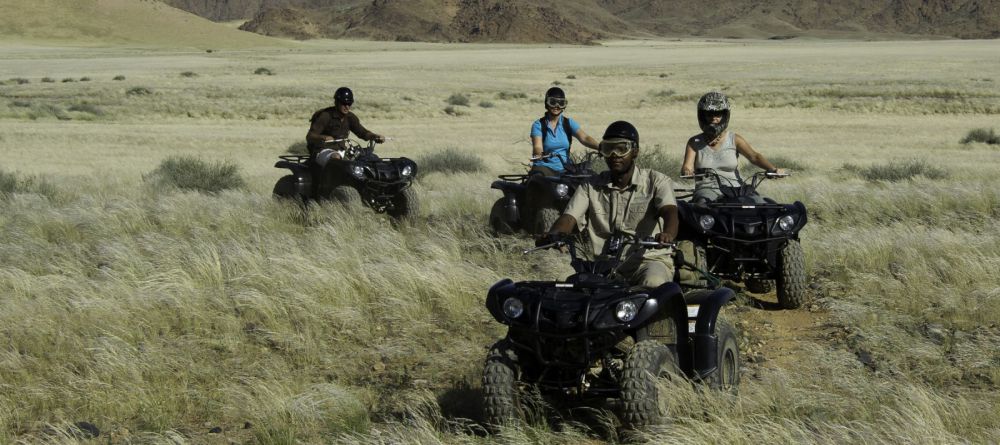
(687, 168)
(536, 140)
(743, 147)
(586, 139)
(359, 130)
(666, 205)
(314, 137)
(670, 222)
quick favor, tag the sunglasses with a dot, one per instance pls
(555, 102)
(616, 148)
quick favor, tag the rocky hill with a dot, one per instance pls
(581, 21)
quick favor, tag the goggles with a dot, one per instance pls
(616, 148)
(555, 102)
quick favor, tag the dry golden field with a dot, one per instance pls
(158, 314)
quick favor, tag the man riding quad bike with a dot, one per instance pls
(741, 236)
(594, 336)
(356, 176)
(533, 201)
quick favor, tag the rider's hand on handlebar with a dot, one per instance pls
(549, 238)
(664, 237)
(379, 138)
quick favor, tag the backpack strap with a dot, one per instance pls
(569, 132)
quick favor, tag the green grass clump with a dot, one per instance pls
(11, 183)
(486, 104)
(458, 99)
(189, 74)
(84, 79)
(452, 111)
(138, 91)
(21, 104)
(896, 171)
(119, 77)
(747, 169)
(68, 80)
(19, 80)
(263, 71)
(48, 80)
(571, 76)
(87, 108)
(188, 173)
(451, 160)
(984, 135)
(508, 95)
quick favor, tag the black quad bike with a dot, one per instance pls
(361, 176)
(533, 202)
(740, 239)
(593, 337)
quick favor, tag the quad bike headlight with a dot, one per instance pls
(626, 311)
(785, 223)
(358, 171)
(407, 170)
(706, 222)
(513, 308)
(562, 190)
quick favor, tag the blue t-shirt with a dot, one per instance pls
(554, 142)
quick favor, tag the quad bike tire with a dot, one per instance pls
(648, 361)
(285, 187)
(727, 376)
(405, 205)
(501, 398)
(347, 195)
(791, 280)
(497, 220)
(759, 285)
(545, 217)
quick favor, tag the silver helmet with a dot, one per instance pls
(713, 104)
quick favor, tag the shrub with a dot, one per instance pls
(895, 171)
(19, 80)
(263, 72)
(189, 173)
(138, 91)
(20, 104)
(452, 111)
(119, 77)
(458, 99)
(571, 76)
(68, 80)
(85, 79)
(507, 95)
(10, 183)
(662, 93)
(486, 104)
(48, 80)
(298, 148)
(451, 160)
(984, 135)
(87, 108)
(664, 75)
(556, 83)
(189, 74)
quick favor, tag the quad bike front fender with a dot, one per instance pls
(703, 309)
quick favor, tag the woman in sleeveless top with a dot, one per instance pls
(553, 134)
(718, 149)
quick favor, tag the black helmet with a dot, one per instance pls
(555, 92)
(343, 96)
(713, 103)
(622, 130)
(555, 97)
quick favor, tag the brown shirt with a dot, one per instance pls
(330, 122)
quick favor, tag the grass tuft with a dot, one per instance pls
(188, 173)
(452, 111)
(138, 91)
(263, 71)
(451, 160)
(87, 108)
(571, 76)
(508, 95)
(656, 158)
(984, 135)
(19, 80)
(84, 79)
(189, 74)
(458, 99)
(11, 183)
(119, 77)
(486, 104)
(896, 171)
(48, 80)
(68, 80)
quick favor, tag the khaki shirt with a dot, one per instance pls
(600, 208)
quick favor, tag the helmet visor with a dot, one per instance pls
(615, 148)
(555, 102)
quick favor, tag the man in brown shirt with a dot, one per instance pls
(334, 123)
(628, 199)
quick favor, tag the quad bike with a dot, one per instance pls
(738, 238)
(360, 176)
(593, 336)
(533, 202)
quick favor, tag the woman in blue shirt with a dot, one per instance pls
(552, 135)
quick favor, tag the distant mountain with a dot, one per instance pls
(581, 21)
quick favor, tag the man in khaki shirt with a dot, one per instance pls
(628, 199)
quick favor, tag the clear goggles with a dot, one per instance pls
(555, 102)
(616, 148)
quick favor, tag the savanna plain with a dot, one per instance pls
(218, 314)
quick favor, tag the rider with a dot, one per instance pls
(624, 198)
(557, 137)
(718, 149)
(334, 123)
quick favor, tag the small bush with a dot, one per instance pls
(571, 76)
(209, 51)
(486, 104)
(68, 80)
(20, 104)
(896, 171)
(452, 111)
(10, 183)
(48, 80)
(189, 74)
(87, 108)
(84, 79)
(458, 99)
(451, 160)
(19, 80)
(298, 148)
(664, 75)
(984, 135)
(507, 95)
(263, 72)
(556, 83)
(189, 173)
(138, 91)
(119, 77)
